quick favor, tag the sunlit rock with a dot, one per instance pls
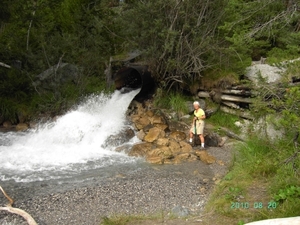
(140, 149)
(153, 134)
(205, 157)
(21, 127)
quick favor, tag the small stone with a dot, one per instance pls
(179, 211)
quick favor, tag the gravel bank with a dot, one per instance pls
(153, 190)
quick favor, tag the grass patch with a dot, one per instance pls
(222, 119)
(259, 186)
(122, 220)
(158, 218)
(173, 101)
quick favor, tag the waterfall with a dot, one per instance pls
(68, 146)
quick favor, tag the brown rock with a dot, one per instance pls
(192, 158)
(163, 152)
(7, 124)
(140, 149)
(176, 160)
(182, 157)
(162, 142)
(185, 147)
(153, 134)
(150, 113)
(177, 136)
(168, 161)
(147, 128)
(205, 157)
(155, 160)
(161, 126)
(21, 127)
(138, 107)
(174, 147)
(141, 135)
(157, 119)
(142, 122)
(135, 118)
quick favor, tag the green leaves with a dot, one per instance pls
(289, 193)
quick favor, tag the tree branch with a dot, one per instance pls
(17, 211)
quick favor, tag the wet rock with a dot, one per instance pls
(140, 149)
(141, 135)
(163, 152)
(122, 137)
(7, 124)
(155, 160)
(21, 127)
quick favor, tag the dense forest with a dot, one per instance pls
(181, 41)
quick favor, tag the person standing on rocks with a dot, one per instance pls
(198, 121)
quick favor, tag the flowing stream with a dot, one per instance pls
(71, 147)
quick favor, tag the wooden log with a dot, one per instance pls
(231, 134)
(237, 92)
(242, 114)
(235, 99)
(203, 94)
(231, 98)
(5, 65)
(231, 105)
(241, 87)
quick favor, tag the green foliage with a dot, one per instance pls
(233, 193)
(178, 40)
(173, 101)
(260, 28)
(259, 157)
(290, 193)
(221, 119)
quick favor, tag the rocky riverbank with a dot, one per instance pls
(180, 189)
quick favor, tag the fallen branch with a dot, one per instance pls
(17, 211)
(231, 134)
(5, 65)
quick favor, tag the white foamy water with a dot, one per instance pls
(68, 146)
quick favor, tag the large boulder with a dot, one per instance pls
(153, 134)
(142, 122)
(177, 136)
(174, 147)
(140, 149)
(164, 152)
(21, 127)
(185, 147)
